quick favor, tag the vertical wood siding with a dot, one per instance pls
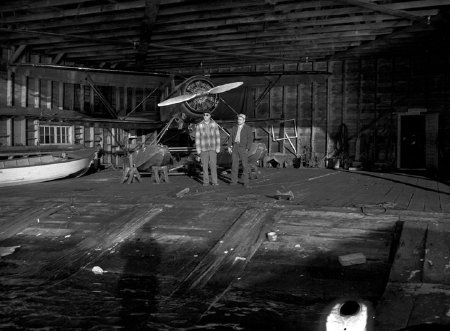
(359, 101)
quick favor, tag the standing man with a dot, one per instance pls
(207, 144)
(239, 143)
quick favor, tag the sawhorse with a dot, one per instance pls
(253, 171)
(130, 173)
(160, 174)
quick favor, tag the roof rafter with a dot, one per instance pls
(383, 9)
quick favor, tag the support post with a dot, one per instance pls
(60, 95)
(23, 91)
(10, 89)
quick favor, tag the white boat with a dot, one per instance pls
(34, 167)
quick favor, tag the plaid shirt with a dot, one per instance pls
(207, 137)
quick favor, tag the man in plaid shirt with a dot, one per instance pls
(207, 144)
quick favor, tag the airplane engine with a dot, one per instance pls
(206, 103)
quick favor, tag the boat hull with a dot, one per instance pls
(56, 168)
(41, 150)
(151, 155)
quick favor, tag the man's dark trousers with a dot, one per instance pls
(239, 153)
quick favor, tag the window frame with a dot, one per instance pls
(51, 134)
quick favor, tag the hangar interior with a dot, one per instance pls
(350, 99)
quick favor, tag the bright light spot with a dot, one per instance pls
(347, 316)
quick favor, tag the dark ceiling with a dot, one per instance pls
(191, 36)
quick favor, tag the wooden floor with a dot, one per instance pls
(93, 253)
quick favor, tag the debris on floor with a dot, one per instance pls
(284, 195)
(97, 270)
(4, 251)
(272, 236)
(351, 259)
(183, 192)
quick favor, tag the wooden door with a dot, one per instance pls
(412, 142)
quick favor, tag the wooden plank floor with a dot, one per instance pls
(203, 260)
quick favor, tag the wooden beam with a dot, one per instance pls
(72, 116)
(72, 95)
(133, 98)
(184, 49)
(117, 99)
(91, 99)
(150, 15)
(321, 17)
(110, 18)
(184, 35)
(275, 36)
(23, 90)
(185, 8)
(76, 12)
(102, 98)
(168, 15)
(20, 131)
(211, 52)
(216, 24)
(388, 38)
(57, 37)
(6, 131)
(100, 37)
(60, 95)
(383, 9)
(17, 53)
(82, 97)
(269, 33)
(125, 99)
(37, 92)
(73, 76)
(58, 58)
(291, 41)
(323, 36)
(48, 101)
(10, 88)
(104, 52)
(27, 5)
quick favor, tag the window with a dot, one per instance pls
(54, 134)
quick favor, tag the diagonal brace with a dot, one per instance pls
(102, 97)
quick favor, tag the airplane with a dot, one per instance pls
(199, 96)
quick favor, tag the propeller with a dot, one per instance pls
(187, 97)
(178, 99)
(224, 87)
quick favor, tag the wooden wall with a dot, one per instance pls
(353, 111)
(38, 95)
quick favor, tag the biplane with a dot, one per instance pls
(198, 95)
(183, 104)
(183, 101)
